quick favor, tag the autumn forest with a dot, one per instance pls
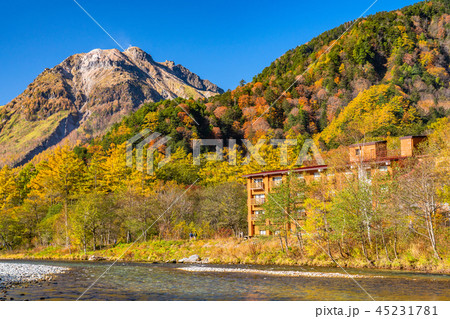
(387, 77)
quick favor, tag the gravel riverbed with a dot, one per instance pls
(12, 273)
(287, 273)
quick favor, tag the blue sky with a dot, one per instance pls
(223, 41)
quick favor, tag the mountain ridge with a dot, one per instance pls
(96, 89)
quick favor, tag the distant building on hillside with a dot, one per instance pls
(365, 160)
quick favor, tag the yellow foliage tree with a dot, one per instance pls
(60, 179)
(374, 111)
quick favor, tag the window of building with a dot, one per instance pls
(277, 180)
(357, 152)
(262, 232)
(383, 168)
(331, 177)
(259, 212)
(259, 199)
(349, 175)
(301, 213)
(257, 183)
(316, 175)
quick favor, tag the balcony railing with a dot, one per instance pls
(257, 201)
(299, 214)
(257, 186)
(379, 155)
(274, 184)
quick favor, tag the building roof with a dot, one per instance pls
(285, 171)
(368, 143)
(412, 136)
(378, 161)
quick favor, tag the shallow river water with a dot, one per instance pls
(139, 281)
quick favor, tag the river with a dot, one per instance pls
(140, 281)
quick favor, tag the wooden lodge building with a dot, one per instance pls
(370, 158)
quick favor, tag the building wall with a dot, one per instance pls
(409, 144)
(249, 208)
(367, 152)
(336, 178)
(252, 190)
(268, 185)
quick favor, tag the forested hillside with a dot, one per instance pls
(391, 66)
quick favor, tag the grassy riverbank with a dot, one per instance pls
(235, 251)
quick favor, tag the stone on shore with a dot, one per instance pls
(190, 259)
(96, 258)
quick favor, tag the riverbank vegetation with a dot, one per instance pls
(261, 251)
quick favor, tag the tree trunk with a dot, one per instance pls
(300, 241)
(368, 232)
(93, 240)
(286, 241)
(395, 246)
(341, 251)
(342, 238)
(84, 242)
(363, 244)
(281, 243)
(327, 234)
(431, 234)
(376, 249)
(384, 244)
(8, 246)
(66, 222)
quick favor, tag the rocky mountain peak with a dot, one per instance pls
(85, 94)
(138, 54)
(169, 64)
